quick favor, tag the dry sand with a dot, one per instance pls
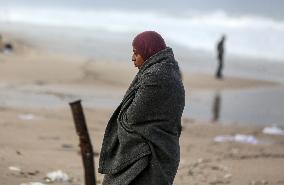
(48, 140)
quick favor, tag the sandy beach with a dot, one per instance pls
(37, 132)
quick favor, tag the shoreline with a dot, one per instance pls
(35, 79)
(88, 44)
(54, 68)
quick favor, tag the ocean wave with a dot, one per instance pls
(247, 35)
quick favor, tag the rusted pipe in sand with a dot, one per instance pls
(85, 142)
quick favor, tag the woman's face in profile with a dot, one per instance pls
(137, 59)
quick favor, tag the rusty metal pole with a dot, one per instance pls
(85, 142)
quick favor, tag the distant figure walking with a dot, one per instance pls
(1, 44)
(5, 47)
(220, 50)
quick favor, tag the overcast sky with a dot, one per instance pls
(264, 8)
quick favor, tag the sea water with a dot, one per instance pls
(247, 35)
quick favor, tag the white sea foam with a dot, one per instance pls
(247, 36)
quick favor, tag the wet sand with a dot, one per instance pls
(38, 135)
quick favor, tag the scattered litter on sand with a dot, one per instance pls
(56, 176)
(26, 116)
(273, 130)
(262, 182)
(33, 183)
(67, 146)
(237, 138)
(14, 168)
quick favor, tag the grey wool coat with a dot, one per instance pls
(141, 141)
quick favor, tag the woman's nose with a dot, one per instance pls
(133, 57)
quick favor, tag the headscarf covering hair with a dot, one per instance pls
(148, 43)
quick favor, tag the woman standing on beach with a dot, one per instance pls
(141, 141)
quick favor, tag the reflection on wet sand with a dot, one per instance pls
(216, 106)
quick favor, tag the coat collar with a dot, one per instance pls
(156, 58)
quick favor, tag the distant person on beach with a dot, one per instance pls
(141, 141)
(220, 52)
(5, 47)
(1, 44)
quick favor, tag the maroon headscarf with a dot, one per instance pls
(148, 43)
